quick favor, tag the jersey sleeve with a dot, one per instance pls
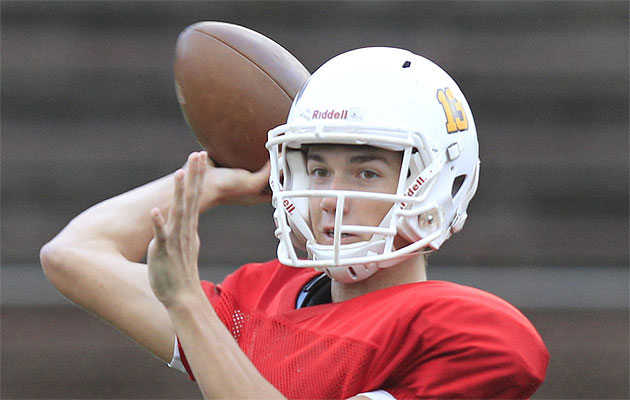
(476, 347)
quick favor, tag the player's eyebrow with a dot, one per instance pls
(363, 158)
(314, 157)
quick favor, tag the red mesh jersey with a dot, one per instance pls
(421, 340)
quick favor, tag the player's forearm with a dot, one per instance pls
(121, 224)
(220, 367)
(91, 262)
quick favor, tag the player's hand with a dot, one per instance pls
(173, 253)
(235, 186)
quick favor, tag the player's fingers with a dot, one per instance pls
(197, 176)
(204, 169)
(189, 192)
(195, 206)
(159, 233)
(177, 203)
(194, 183)
(264, 171)
(202, 172)
(260, 178)
(193, 168)
(210, 162)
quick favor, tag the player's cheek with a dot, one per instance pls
(313, 211)
(378, 210)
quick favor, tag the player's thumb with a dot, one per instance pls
(262, 175)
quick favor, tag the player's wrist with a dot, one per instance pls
(210, 198)
(185, 301)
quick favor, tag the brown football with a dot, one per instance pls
(233, 85)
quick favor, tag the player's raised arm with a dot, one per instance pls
(95, 260)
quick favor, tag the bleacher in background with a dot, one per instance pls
(88, 110)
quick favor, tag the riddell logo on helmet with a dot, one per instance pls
(332, 114)
(288, 205)
(413, 189)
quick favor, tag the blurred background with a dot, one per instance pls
(89, 111)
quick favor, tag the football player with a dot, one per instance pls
(373, 170)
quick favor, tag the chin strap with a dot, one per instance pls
(350, 274)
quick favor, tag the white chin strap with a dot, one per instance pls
(349, 273)
(352, 273)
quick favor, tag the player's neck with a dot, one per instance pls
(409, 271)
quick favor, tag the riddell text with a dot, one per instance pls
(288, 205)
(332, 114)
(412, 189)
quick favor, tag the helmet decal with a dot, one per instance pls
(456, 119)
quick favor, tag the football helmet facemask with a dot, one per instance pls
(391, 99)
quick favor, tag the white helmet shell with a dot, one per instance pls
(388, 98)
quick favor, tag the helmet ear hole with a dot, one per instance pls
(457, 184)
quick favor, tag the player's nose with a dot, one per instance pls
(329, 204)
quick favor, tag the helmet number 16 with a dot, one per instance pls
(455, 115)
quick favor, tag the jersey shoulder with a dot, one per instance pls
(449, 309)
(437, 300)
(269, 287)
(468, 332)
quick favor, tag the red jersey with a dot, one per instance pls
(421, 340)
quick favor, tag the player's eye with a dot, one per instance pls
(318, 172)
(368, 174)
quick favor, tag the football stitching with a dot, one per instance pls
(250, 60)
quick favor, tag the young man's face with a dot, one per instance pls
(346, 167)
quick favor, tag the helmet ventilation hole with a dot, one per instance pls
(457, 184)
(407, 64)
(352, 273)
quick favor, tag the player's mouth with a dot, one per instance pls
(329, 236)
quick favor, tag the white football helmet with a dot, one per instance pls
(388, 98)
